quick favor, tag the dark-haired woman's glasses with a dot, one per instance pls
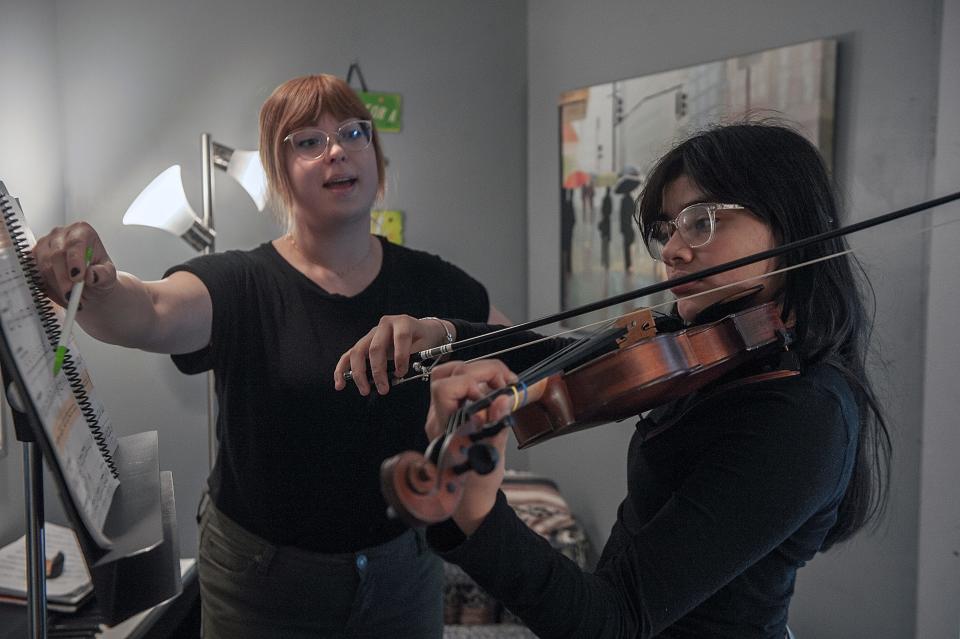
(311, 143)
(696, 225)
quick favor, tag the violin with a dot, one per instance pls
(577, 389)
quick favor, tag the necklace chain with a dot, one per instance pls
(341, 272)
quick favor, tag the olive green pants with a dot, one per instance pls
(251, 588)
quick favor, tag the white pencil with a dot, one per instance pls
(72, 307)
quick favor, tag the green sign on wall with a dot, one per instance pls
(385, 109)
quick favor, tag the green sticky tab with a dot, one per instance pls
(388, 224)
(88, 256)
(385, 109)
(58, 359)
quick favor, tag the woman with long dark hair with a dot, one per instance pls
(735, 487)
(780, 177)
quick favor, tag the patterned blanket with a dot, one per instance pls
(539, 504)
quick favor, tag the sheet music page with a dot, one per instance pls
(70, 587)
(99, 410)
(87, 474)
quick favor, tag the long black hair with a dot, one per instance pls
(777, 174)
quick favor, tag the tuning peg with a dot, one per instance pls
(481, 459)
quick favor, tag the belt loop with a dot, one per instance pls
(204, 502)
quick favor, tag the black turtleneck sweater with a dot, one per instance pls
(721, 509)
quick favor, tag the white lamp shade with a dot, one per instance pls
(245, 168)
(163, 205)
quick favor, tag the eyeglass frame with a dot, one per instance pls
(712, 208)
(329, 137)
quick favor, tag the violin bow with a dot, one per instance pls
(446, 349)
(433, 354)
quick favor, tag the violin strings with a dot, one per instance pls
(571, 355)
(555, 362)
(581, 351)
(530, 343)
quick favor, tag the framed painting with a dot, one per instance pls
(611, 135)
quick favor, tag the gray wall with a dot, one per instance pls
(886, 113)
(138, 83)
(30, 148)
(119, 90)
(938, 582)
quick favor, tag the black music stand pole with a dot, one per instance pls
(33, 498)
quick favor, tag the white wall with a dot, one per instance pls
(886, 109)
(138, 83)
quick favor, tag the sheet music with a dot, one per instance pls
(70, 587)
(87, 474)
(99, 410)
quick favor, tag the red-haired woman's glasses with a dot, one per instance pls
(311, 143)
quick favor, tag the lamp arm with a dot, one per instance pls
(206, 166)
(207, 149)
(199, 237)
(220, 155)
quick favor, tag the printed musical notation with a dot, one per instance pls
(70, 588)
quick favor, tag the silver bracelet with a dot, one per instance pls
(444, 325)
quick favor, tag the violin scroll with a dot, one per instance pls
(422, 492)
(425, 489)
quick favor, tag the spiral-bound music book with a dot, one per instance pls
(119, 502)
(75, 422)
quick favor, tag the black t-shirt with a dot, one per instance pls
(721, 510)
(299, 462)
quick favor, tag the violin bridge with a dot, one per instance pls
(639, 325)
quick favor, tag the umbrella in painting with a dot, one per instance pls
(576, 179)
(629, 180)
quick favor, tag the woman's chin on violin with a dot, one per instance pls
(694, 232)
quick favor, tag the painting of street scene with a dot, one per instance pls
(611, 135)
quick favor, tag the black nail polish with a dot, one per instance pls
(80, 306)
(66, 295)
(96, 277)
(74, 272)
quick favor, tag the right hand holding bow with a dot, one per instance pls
(395, 338)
